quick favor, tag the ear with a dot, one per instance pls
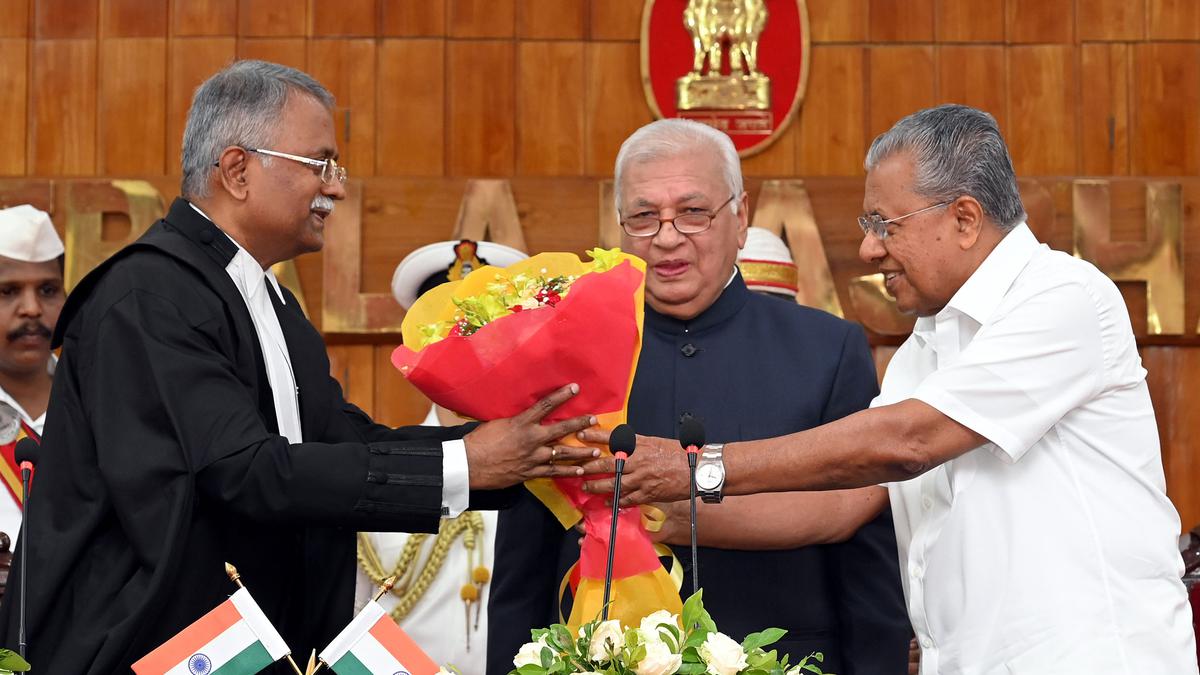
(232, 172)
(743, 215)
(969, 220)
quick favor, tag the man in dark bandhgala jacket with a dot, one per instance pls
(193, 420)
(822, 566)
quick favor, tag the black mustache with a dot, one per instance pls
(35, 329)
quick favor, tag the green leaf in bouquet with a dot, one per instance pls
(804, 664)
(761, 659)
(695, 639)
(530, 669)
(604, 259)
(762, 638)
(562, 637)
(670, 635)
(634, 656)
(432, 332)
(694, 613)
(692, 669)
(547, 657)
(12, 661)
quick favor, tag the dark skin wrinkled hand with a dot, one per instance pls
(657, 471)
(502, 453)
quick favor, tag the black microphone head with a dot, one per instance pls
(691, 433)
(622, 439)
(26, 451)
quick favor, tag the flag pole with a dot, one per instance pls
(383, 589)
(236, 578)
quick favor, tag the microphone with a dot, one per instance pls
(691, 437)
(621, 442)
(25, 453)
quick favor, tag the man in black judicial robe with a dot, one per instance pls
(747, 366)
(163, 456)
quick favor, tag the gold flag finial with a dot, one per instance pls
(233, 575)
(385, 587)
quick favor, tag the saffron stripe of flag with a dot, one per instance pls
(236, 638)
(373, 643)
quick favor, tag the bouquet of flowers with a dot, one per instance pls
(660, 645)
(494, 343)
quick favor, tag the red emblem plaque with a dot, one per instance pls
(738, 65)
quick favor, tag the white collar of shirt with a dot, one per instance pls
(983, 291)
(241, 256)
(7, 399)
(251, 281)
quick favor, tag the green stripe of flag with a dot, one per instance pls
(251, 660)
(348, 665)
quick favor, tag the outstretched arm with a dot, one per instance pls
(890, 443)
(777, 521)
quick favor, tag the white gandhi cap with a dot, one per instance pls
(26, 234)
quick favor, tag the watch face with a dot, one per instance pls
(709, 476)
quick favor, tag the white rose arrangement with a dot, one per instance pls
(661, 644)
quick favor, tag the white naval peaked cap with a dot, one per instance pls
(766, 263)
(417, 267)
(26, 234)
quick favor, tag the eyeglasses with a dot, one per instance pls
(329, 167)
(693, 222)
(876, 225)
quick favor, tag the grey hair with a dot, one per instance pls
(238, 106)
(673, 137)
(958, 151)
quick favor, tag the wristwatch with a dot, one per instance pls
(710, 473)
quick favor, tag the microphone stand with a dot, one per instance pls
(692, 452)
(612, 533)
(26, 468)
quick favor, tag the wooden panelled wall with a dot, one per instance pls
(547, 90)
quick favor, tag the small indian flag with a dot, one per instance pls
(236, 638)
(373, 644)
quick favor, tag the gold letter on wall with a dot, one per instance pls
(1158, 260)
(346, 309)
(86, 204)
(784, 209)
(488, 211)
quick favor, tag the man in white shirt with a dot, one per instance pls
(1014, 430)
(31, 297)
(194, 421)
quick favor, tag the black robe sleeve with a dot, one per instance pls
(164, 388)
(863, 572)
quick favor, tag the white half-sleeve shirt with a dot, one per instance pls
(10, 510)
(1051, 549)
(251, 281)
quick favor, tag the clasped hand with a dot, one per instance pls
(505, 452)
(657, 471)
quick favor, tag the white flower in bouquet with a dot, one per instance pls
(608, 639)
(530, 653)
(649, 626)
(659, 660)
(722, 655)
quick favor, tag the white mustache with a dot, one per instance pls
(322, 203)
